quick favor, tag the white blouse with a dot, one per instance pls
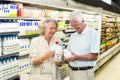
(38, 47)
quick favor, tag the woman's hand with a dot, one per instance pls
(43, 57)
(36, 61)
(48, 54)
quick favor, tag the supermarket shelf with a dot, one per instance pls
(63, 5)
(23, 56)
(28, 36)
(9, 33)
(14, 78)
(4, 56)
(68, 31)
(19, 18)
(113, 50)
(104, 57)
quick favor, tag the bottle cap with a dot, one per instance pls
(60, 44)
(56, 42)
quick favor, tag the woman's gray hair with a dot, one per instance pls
(44, 24)
(76, 15)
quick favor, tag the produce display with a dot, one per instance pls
(109, 33)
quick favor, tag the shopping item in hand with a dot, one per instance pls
(67, 53)
(57, 47)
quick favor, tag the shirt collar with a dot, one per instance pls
(85, 30)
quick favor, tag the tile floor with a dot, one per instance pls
(110, 70)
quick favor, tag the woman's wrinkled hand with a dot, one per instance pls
(49, 54)
(43, 57)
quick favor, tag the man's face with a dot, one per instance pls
(78, 26)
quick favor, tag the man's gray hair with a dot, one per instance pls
(76, 15)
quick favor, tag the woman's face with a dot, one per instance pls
(50, 29)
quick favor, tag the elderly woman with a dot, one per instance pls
(43, 64)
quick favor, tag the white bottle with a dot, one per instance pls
(16, 65)
(4, 72)
(5, 43)
(67, 53)
(1, 70)
(0, 46)
(8, 68)
(58, 52)
(57, 47)
(54, 46)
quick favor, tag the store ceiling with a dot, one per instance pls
(114, 7)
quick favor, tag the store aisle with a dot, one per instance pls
(109, 71)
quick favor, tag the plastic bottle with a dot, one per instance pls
(58, 52)
(5, 40)
(4, 72)
(54, 46)
(1, 70)
(67, 53)
(0, 46)
(57, 47)
(20, 10)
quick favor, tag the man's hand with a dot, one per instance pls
(72, 58)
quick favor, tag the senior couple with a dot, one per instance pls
(83, 45)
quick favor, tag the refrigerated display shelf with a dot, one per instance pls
(28, 36)
(68, 31)
(105, 56)
(14, 78)
(103, 50)
(111, 38)
(8, 55)
(19, 18)
(23, 56)
(103, 34)
(9, 33)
